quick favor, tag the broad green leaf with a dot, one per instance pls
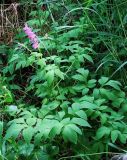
(70, 111)
(107, 94)
(31, 121)
(100, 101)
(103, 118)
(118, 102)
(69, 134)
(18, 120)
(75, 128)
(41, 62)
(114, 135)
(123, 138)
(103, 80)
(79, 87)
(46, 125)
(103, 108)
(78, 77)
(87, 98)
(15, 57)
(38, 138)
(43, 111)
(83, 72)
(21, 63)
(14, 130)
(25, 149)
(113, 84)
(15, 87)
(8, 96)
(85, 91)
(28, 134)
(59, 73)
(53, 105)
(102, 131)
(96, 93)
(85, 104)
(80, 122)
(76, 107)
(88, 57)
(91, 83)
(124, 107)
(40, 155)
(81, 114)
(50, 76)
(61, 114)
(65, 121)
(55, 130)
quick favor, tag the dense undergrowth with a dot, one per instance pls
(66, 99)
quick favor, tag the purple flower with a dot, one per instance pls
(32, 36)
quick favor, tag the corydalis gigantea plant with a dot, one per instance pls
(32, 36)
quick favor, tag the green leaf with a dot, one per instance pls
(50, 76)
(53, 105)
(59, 73)
(114, 135)
(31, 121)
(61, 114)
(40, 155)
(76, 107)
(37, 138)
(46, 125)
(75, 128)
(103, 80)
(14, 130)
(81, 114)
(25, 149)
(43, 111)
(78, 77)
(107, 94)
(65, 121)
(15, 87)
(124, 107)
(8, 96)
(91, 83)
(103, 118)
(118, 102)
(41, 62)
(15, 57)
(80, 122)
(69, 134)
(55, 130)
(21, 63)
(102, 132)
(96, 93)
(88, 57)
(123, 138)
(83, 72)
(85, 91)
(113, 84)
(85, 104)
(28, 134)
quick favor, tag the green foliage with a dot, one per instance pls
(61, 100)
(5, 94)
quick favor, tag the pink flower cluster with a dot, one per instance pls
(32, 36)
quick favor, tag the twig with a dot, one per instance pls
(91, 154)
